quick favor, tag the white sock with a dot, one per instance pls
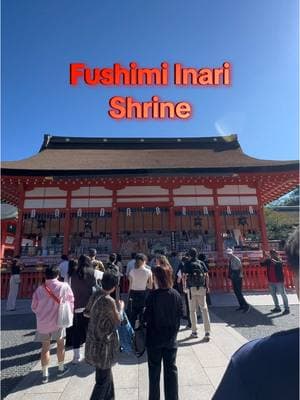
(61, 366)
(45, 370)
(76, 353)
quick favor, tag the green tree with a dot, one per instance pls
(279, 225)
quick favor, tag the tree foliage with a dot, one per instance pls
(279, 225)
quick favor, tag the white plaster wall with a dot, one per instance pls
(91, 203)
(237, 200)
(192, 189)
(45, 203)
(143, 199)
(142, 191)
(193, 201)
(45, 192)
(236, 189)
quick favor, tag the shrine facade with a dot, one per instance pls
(142, 195)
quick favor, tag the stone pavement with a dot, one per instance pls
(200, 365)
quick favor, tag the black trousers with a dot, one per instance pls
(104, 387)
(237, 284)
(168, 356)
(187, 308)
(79, 330)
(136, 304)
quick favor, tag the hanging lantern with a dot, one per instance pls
(79, 212)
(157, 210)
(33, 214)
(183, 211)
(205, 210)
(251, 211)
(56, 213)
(102, 212)
(128, 212)
(228, 210)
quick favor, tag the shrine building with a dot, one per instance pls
(141, 195)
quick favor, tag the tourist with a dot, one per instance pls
(119, 263)
(82, 283)
(97, 264)
(162, 316)
(175, 261)
(202, 257)
(266, 368)
(179, 287)
(63, 267)
(140, 278)
(69, 331)
(45, 304)
(130, 264)
(195, 283)
(102, 344)
(14, 283)
(113, 267)
(236, 275)
(162, 261)
(276, 281)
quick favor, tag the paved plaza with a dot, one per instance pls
(200, 365)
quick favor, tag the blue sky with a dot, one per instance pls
(40, 38)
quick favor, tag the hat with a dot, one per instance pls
(229, 251)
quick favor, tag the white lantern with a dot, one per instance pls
(157, 210)
(128, 212)
(183, 211)
(205, 210)
(228, 210)
(79, 212)
(102, 212)
(56, 213)
(251, 211)
(33, 214)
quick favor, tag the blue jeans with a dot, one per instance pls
(279, 288)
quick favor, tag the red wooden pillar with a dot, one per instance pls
(218, 229)
(114, 222)
(67, 224)
(19, 228)
(262, 222)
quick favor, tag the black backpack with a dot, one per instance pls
(196, 276)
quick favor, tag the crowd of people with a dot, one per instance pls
(91, 288)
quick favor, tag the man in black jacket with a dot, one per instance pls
(276, 281)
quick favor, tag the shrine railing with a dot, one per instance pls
(255, 279)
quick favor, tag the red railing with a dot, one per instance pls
(255, 278)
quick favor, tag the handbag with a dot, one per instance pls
(126, 334)
(65, 314)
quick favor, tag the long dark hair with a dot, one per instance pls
(84, 262)
(73, 264)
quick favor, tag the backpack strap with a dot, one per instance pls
(51, 294)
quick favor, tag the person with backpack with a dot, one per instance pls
(162, 316)
(83, 282)
(195, 283)
(45, 305)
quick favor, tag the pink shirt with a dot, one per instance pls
(46, 308)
